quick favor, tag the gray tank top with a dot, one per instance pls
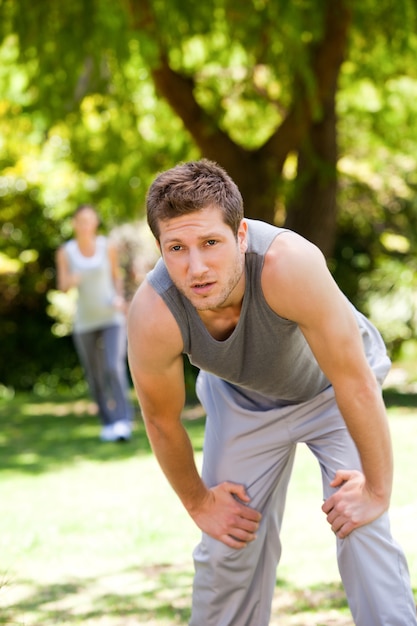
(266, 355)
(96, 290)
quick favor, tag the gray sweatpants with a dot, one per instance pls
(255, 446)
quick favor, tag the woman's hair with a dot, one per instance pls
(81, 207)
(190, 187)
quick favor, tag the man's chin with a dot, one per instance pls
(203, 304)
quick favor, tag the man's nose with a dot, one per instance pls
(196, 263)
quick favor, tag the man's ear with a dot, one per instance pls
(242, 235)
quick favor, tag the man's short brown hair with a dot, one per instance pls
(190, 187)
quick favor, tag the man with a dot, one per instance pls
(284, 358)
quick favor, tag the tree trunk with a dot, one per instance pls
(313, 210)
(308, 127)
(255, 172)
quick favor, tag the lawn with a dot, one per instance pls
(92, 535)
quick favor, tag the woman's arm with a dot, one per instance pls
(117, 278)
(65, 279)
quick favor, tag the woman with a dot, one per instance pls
(89, 263)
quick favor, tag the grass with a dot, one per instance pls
(91, 533)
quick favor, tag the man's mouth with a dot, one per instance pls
(201, 287)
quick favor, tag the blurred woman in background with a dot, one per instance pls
(89, 263)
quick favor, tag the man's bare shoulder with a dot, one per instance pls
(290, 253)
(155, 354)
(151, 321)
(294, 272)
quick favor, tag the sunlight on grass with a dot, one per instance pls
(92, 534)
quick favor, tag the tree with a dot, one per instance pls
(303, 119)
(309, 104)
(221, 73)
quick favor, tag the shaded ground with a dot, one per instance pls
(157, 596)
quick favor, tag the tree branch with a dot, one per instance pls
(327, 57)
(178, 90)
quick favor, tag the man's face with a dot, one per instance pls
(203, 258)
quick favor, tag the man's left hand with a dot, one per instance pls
(353, 504)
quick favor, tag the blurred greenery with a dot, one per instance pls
(87, 113)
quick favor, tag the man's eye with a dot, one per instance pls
(176, 248)
(211, 242)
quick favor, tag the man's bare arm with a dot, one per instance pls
(299, 287)
(156, 364)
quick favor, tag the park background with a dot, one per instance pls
(310, 105)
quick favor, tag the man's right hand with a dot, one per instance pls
(225, 515)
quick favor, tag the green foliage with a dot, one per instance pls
(80, 120)
(45, 33)
(376, 251)
(105, 151)
(245, 72)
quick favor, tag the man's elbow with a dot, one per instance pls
(159, 429)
